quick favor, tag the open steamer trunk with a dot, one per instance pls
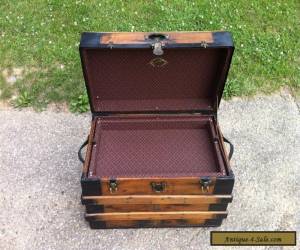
(155, 155)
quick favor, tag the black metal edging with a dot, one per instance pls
(90, 186)
(143, 224)
(224, 184)
(92, 209)
(218, 207)
(91, 40)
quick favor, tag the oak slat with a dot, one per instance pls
(179, 215)
(139, 37)
(158, 199)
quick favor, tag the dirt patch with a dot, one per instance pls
(5, 105)
(58, 107)
(12, 75)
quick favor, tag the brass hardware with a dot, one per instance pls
(205, 182)
(113, 186)
(158, 187)
(157, 48)
(158, 42)
(110, 44)
(158, 62)
(203, 44)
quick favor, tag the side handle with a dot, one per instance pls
(231, 147)
(80, 157)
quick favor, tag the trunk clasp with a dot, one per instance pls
(158, 187)
(113, 186)
(205, 182)
(157, 48)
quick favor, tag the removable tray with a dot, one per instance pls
(156, 146)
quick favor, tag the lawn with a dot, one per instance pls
(39, 42)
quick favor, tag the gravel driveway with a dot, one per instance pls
(40, 190)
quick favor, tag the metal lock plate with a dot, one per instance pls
(157, 49)
(158, 187)
(113, 186)
(205, 182)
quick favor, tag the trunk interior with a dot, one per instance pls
(145, 146)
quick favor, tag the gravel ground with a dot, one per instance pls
(40, 189)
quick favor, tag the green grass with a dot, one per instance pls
(41, 38)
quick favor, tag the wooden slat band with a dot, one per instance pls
(141, 37)
(95, 208)
(142, 186)
(153, 199)
(179, 215)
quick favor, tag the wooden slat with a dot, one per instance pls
(139, 37)
(154, 207)
(157, 199)
(141, 186)
(187, 215)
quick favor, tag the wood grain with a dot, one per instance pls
(177, 215)
(142, 186)
(140, 37)
(91, 209)
(153, 199)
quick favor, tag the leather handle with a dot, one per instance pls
(80, 157)
(231, 147)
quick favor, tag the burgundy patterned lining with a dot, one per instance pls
(124, 79)
(164, 146)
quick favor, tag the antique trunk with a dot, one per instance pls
(155, 154)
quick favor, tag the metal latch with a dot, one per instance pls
(110, 44)
(157, 41)
(205, 182)
(158, 187)
(113, 186)
(157, 49)
(203, 44)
